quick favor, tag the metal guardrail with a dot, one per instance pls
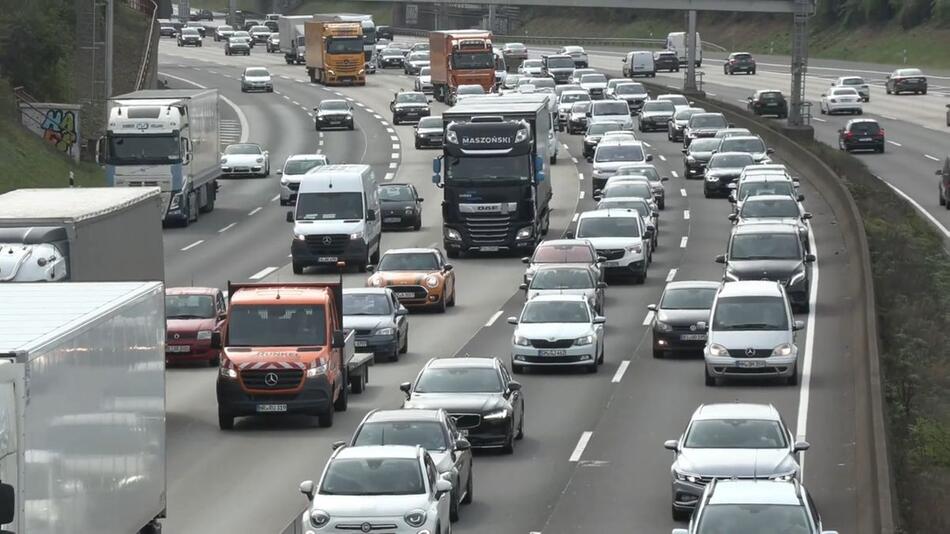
(24, 99)
(140, 79)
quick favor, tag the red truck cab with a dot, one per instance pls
(460, 57)
(192, 316)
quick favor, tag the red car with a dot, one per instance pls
(192, 314)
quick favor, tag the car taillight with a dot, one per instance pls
(848, 135)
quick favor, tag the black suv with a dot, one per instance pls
(861, 134)
(666, 60)
(768, 102)
(739, 62)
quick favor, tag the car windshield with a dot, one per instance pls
(750, 313)
(459, 380)
(301, 166)
(419, 56)
(600, 128)
(647, 170)
(754, 519)
(572, 50)
(608, 227)
(257, 29)
(424, 71)
(189, 307)
(567, 98)
(630, 89)
(395, 193)
(610, 108)
(844, 91)
(730, 161)
(628, 189)
(659, 106)
(243, 149)
(593, 78)
(142, 149)
(609, 153)
(735, 434)
(688, 298)
(562, 254)
(392, 52)
(409, 261)
(189, 31)
(732, 132)
(910, 72)
(759, 208)
(329, 206)
(430, 122)
(771, 96)
(704, 144)
(290, 325)
(751, 189)
(366, 304)
(685, 114)
(852, 81)
(560, 63)
(489, 169)
(224, 28)
(411, 98)
(373, 476)
(708, 121)
(429, 435)
(256, 73)
(742, 56)
(562, 279)
(765, 246)
(241, 34)
(677, 100)
(333, 105)
(742, 144)
(554, 311)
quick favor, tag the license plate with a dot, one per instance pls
(556, 352)
(327, 259)
(611, 264)
(772, 104)
(405, 294)
(177, 348)
(390, 220)
(271, 408)
(864, 139)
(693, 337)
(488, 249)
(750, 363)
(361, 343)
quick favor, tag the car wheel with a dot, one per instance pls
(469, 489)
(343, 401)
(405, 343)
(453, 507)
(509, 446)
(940, 200)
(298, 267)
(225, 420)
(451, 302)
(661, 204)
(658, 353)
(441, 306)
(710, 379)
(325, 420)
(793, 380)
(593, 367)
(394, 357)
(517, 368)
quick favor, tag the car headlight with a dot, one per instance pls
(204, 335)
(731, 276)
(317, 368)
(376, 281)
(284, 180)
(415, 518)
(224, 161)
(319, 518)
(497, 414)
(521, 341)
(785, 349)
(432, 281)
(715, 349)
(662, 327)
(797, 277)
(410, 209)
(584, 340)
(356, 235)
(260, 160)
(636, 249)
(524, 233)
(687, 477)
(387, 331)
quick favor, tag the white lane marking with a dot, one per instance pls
(378, 116)
(395, 155)
(565, 146)
(618, 376)
(648, 319)
(389, 176)
(286, 97)
(393, 165)
(320, 134)
(671, 275)
(819, 119)
(350, 99)
(226, 228)
(581, 445)
(804, 392)
(575, 217)
(574, 160)
(320, 142)
(682, 192)
(674, 173)
(237, 110)
(895, 143)
(686, 215)
(580, 176)
(262, 273)
(254, 211)
(928, 156)
(683, 241)
(275, 198)
(646, 144)
(394, 138)
(710, 94)
(212, 71)
(360, 104)
(284, 76)
(918, 207)
(193, 245)
(310, 113)
(295, 103)
(384, 123)
(741, 100)
(390, 130)
(888, 117)
(395, 146)
(662, 157)
(493, 318)
(581, 194)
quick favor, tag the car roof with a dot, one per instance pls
(191, 290)
(737, 53)
(405, 414)
(766, 177)
(743, 137)
(746, 288)
(620, 142)
(723, 154)
(736, 410)
(693, 284)
(859, 121)
(773, 228)
(411, 250)
(618, 200)
(465, 361)
(610, 213)
(378, 451)
(562, 266)
(755, 492)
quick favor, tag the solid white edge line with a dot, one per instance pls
(193, 245)
(648, 319)
(618, 376)
(683, 241)
(254, 211)
(581, 195)
(237, 110)
(805, 379)
(933, 220)
(493, 318)
(818, 119)
(581, 445)
(226, 228)
(262, 273)
(671, 275)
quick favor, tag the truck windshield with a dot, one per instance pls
(134, 149)
(189, 306)
(292, 325)
(486, 170)
(329, 206)
(344, 45)
(473, 60)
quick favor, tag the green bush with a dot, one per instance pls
(35, 44)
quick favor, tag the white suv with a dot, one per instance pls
(619, 235)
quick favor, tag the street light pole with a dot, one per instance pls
(109, 53)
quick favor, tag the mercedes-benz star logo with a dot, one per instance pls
(750, 351)
(271, 379)
(327, 240)
(366, 527)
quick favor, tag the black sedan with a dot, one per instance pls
(486, 405)
(189, 37)
(739, 62)
(906, 81)
(666, 60)
(861, 134)
(697, 156)
(429, 132)
(768, 102)
(409, 106)
(682, 305)
(401, 205)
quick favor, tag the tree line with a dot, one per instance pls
(908, 13)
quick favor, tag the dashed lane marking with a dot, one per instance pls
(193, 245)
(675, 174)
(395, 155)
(683, 241)
(573, 160)
(575, 217)
(394, 138)
(895, 143)
(226, 228)
(275, 198)
(682, 192)
(254, 211)
(662, 157)
(819, 119)
(262, 273)
(671, 275)
(581, 445)
(648, 319)
(395, 146)
(493, 318)
(618, 376)
(580, 176)
(686, 215)
(928, 156)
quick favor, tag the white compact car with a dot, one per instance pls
(295, 167)
(620, 238)
(841, 100)
(423, 82)
(245, 159)
(562, 330)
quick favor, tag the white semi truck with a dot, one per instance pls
(166, 139)
(82, 407)
(292, 42)
(81, 235)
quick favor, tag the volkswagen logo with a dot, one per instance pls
(366, 527)
(692, 327)
(750, 351)
(327, 240)
(177, 335)
(271, 379)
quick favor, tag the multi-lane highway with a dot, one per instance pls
(593, 457)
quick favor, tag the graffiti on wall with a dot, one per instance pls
(57, 124)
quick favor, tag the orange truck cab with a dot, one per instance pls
(284, 350)
(334, 52)
(460, 57)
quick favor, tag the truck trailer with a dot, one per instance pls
(335, 53)
(293, 43)
(460, 57)
(167, 139)
(82, 407)
(496, 187)
(81, 234)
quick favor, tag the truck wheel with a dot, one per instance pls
(344, 399)
(325, 420)
(225, 420)
(193, 206)
(211, 194)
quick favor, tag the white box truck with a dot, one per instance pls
(166, 138)
(292, 42)
(81, 234)
(82, 407)
(677, 42)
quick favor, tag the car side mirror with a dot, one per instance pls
(462, 444)
(447, 267)
(336, 445)
(665, 179)
(569, 235)
(442, 487)
(370, 268)
(802, 446)
(683, 150)
(798, 325)
(339, 340)
(806, 216)
(513, 319)
(749, 98)
(279, 172)
(721, 258)
(652, 307)
(733, 217)
(215, 340)
(523, 286)
(623, 60)
(938, 172)
(649, 157)
(671, 444)
(770, 151)
(419, 199)
(290, 216)
(306, 487)
(406, 387)
(600, 319)
(801, 197)
(402, 312)
(809, 258)
(514, 385)
(526, 259)
(601, 285)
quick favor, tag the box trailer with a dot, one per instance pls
(81, 234)
(82, 406)
(292, 41)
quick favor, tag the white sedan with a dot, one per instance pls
(245, 159)
(531, 67)
(841, 100)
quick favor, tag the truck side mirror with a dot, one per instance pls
(339, 340)
(290, 216)
(7, 503)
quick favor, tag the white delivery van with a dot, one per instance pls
(639, 63)
(336, 218)
(676, 41)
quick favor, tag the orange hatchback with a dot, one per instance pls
(419, 277)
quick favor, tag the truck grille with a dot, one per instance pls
(466, 420)
(331, 245)
(488, 229)
(548, 344)
(758, 353)
(258, 379)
